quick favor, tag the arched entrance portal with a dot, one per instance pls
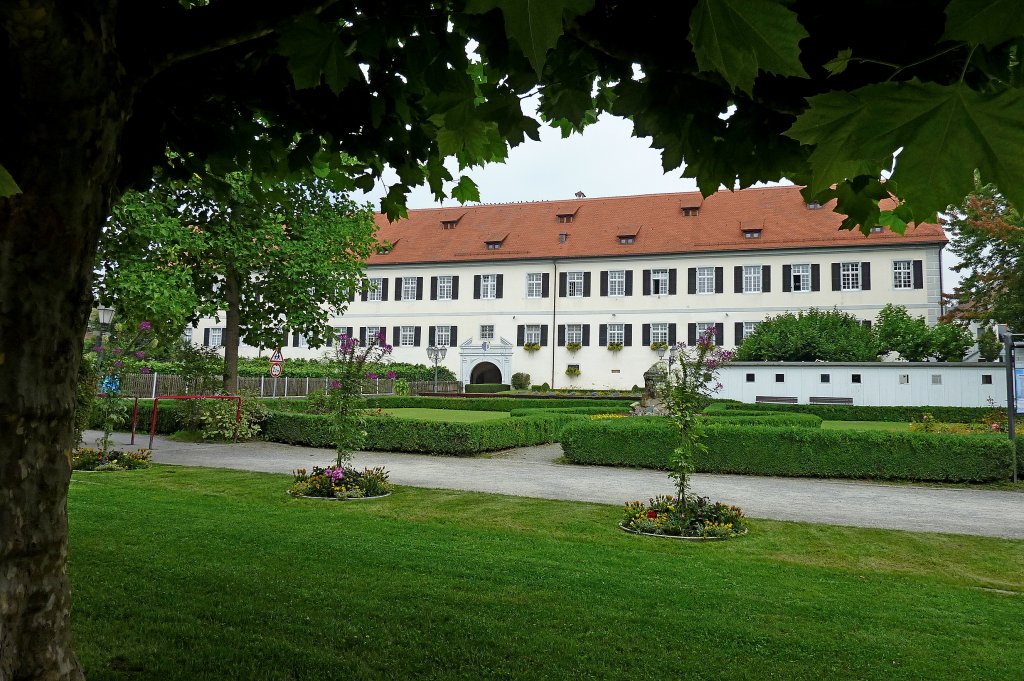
(485, 372)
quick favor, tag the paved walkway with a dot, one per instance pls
(532, 472)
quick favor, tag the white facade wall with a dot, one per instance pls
(600, 368)
(881, 384)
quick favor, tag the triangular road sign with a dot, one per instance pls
(277, 356)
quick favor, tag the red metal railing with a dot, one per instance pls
(156, 403)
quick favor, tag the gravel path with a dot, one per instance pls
(532, 472)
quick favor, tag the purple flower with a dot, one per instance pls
(146, 370)
(118, 351)
(335, 474)
(387, 349)
(371, 375)
(118, 364)
(140, 355)
(392, 375)
(145, 326)
(380, 335)
(335, 384)
(97, 348)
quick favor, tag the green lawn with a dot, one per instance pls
(866, 425)
(449, 415)
(182, 573)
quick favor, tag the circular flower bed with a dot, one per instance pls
(340, 482)
(90, 459)
(697, 518)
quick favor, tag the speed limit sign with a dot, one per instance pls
(275, 370)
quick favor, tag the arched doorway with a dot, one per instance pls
(485, 372)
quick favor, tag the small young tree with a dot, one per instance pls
(898, 332)
(345, 391)
(127, 341)
(949, 341)
(989, 346)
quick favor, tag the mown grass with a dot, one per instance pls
(447, 415)
(867, 425)
(184, 573)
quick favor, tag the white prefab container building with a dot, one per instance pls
(546, 287)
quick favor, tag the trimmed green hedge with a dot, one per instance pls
(414, 435)
(773, 420)
(855, 412)
(621, 408)
(798, 452)
(487, 387)
(488, 403)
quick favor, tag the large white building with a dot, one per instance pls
(512, 287)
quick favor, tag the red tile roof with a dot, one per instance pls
(533, 228)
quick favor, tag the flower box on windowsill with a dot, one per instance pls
(572, 372)
(573, 347)
(531, 347)
(614, 347)
(659, 345)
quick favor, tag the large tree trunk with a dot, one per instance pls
(61, 129)
(232, 323)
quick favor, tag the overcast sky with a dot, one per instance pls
(606, 160)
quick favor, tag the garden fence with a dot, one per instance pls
(157, 385)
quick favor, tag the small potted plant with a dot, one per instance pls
(573, 347)
(531, 347)
(614, 347)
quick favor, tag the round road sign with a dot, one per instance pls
(275, 370)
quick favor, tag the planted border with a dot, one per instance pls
(797, 452)
(855, 412)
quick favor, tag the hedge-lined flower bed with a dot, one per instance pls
(91, 459)
(340, 482)
(798, 452)
(856, 412)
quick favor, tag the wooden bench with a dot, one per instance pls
(831, 400)
(776, 400)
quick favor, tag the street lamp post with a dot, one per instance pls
(104, 315)
(436, 353)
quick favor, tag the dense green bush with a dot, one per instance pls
(589, 410)
(487, 387)
(520, 381)
(773, 420)
(762, 450)
(297, 368)
(828, 335)
(168, 419)
(488, 403)
(856, 412)
(413, 435)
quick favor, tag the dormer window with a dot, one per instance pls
(813, 205)
(627, 235)
(492, 245)
(690, 211)
(565, 219)
(384, 248)
(627, 239)
(448, 224)
(752, 234)
(877, 229)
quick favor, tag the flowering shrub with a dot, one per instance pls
(345, 392)
(697, 517)
(340, 482)
(930, 426)
(110, 369)
(91, 459)
(217, 418)
(402, 387)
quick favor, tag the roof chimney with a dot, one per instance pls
(580, 195)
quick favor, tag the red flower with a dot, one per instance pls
(652, 514)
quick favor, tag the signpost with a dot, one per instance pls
(276, 364)
(1013, 343)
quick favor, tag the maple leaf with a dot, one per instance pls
(314, 50)
(466, 190)
(987, 22)
(738, 38)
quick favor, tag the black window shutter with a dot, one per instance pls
(295, 340)
(787, 279)
(586, 335)
(604, 282)
(627, 335)
(398, 288)
(836, 284)
(545, 285)
(396, 335)
(433, 288)
(586, 284)
(453, 338)
(766, 278)
(383, 289)
(691, 280)
(561, 335)
(691, 334)
(362, 335)
(431, 334)
(499, 286)
(520, 335)
(919, 274)
(416, 337)
(544, 334)
(672, 283)
(719, 280)
(645, 331)
(629, 282)
(737, 279)
(455, 287)
(419, 288)
(476, 287)
(865, 276)
(351, 295)
(561, 284)
(602, 334)
(647, 283)
(672, 334)
(206, 338)
(719, 333)
(363, 296)
(739, 331)
(815, 277)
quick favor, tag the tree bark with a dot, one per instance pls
(232, 323)
(62, 127)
